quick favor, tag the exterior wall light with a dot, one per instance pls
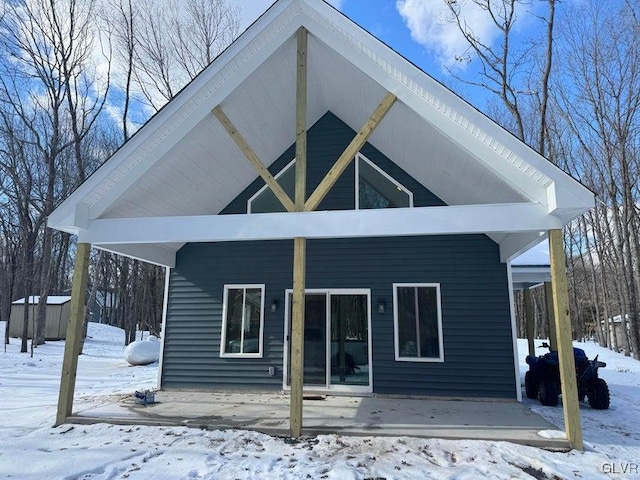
(381, 306)
(274, 305)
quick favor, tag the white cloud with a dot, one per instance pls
(429, 22)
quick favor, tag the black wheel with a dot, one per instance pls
(549, 392)
(598, 394)
(530, 385)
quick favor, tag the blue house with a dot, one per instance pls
(310, 150)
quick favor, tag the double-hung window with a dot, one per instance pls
(242, 321)
(417, 322)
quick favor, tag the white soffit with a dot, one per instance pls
(205, 170)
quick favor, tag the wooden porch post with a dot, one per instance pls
(529, 320)
(551, 318)
(74, 333)
(299, 244)
(559, 286)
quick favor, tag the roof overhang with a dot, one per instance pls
(529, 276)
(183, 163)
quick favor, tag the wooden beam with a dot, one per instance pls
(74, 333)
(299, 244)
(350, 152)
(297, 336)
(253, 158)
(560, 291)
(551, 318)
(301, 121)
(529, 320)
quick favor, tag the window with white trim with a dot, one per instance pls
(242, 321)
(417, 322)
(265, 201)
(374, 188)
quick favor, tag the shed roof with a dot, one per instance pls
(183, 163)
(51, 300)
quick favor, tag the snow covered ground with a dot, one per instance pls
(31, 449)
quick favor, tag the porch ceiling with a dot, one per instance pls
(205, 169)
(183, 162)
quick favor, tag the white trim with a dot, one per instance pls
(155, 254)
(491, 146)
(165, 308)
(396, 338)
(223, 333)
(360, 156)
(514, 335)
(516, 244)
(328, 387)
(488, 142)
(265, 186)
(384, 222)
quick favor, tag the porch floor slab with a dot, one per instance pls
(361, 416)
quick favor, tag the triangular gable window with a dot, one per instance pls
(377, 189)
(374, 188)
(264, 201)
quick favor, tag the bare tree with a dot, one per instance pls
(168, 44)
(600, 102)
(51, 102)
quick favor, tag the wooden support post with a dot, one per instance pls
(297, 337)
(560, 295)
(350, 152)
(301, 121)
(551, 318)
(529, 321)
(299, 244)
(253, 158)
(74, 333)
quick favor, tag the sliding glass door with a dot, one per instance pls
(336, 340)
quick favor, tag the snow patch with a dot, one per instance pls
(29, 390)
(552, 434)
(142, 352)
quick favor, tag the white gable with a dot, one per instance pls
(183, 162)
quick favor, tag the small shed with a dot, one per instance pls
(57, 317)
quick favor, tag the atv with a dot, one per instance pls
(543, 379)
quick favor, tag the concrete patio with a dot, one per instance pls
(362, 416)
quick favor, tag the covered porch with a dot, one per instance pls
(345, 415)
(219, 142)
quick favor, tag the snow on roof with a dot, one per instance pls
(51, 300)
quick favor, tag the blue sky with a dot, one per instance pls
(380, 17)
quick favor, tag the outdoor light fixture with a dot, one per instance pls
(381, 306)
(274, 305)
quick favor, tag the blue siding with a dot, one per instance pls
(475, 302)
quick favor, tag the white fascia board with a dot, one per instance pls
(561, 199)
(468, 219)
(517, 243)
(273, 36)
(156, 254)
(482, 137)
(449, 125)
